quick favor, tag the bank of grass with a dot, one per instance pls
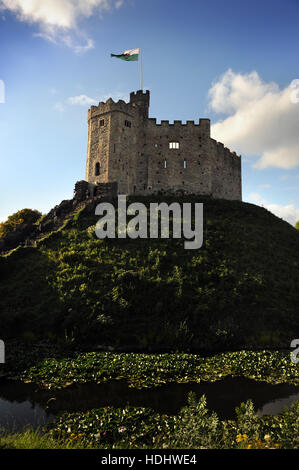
(32, 439)
(239, 290)
(152, 370)
(195, 427)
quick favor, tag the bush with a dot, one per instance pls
(24, 216)
(197, 426)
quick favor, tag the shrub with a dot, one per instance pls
(197, 426)
(24, 216)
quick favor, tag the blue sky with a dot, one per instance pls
(234, 62)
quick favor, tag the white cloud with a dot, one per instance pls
(58, 19)
(77, 41)
(288, 212)
(262, 119)
(81, 100)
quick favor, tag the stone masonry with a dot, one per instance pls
(143, 157)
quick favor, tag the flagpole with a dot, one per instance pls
(141, 71)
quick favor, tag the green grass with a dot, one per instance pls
(30, 439)
(240, 290)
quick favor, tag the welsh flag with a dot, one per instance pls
(132, 54)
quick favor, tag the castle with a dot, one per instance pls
(143, 157)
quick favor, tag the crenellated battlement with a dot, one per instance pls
(139, 94)
(224, 151)
(112, 106)
(145, 156)
(203, 123)
(141, 100)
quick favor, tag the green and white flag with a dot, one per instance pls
(131, 55)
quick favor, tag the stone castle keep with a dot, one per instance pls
(143, 157)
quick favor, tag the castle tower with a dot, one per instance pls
(142, 100)
(143, 157)
(115, 137)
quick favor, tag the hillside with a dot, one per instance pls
(239, 290)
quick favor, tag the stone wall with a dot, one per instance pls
(127, 147)
(186, 168)
(112, 145)
(226, 175)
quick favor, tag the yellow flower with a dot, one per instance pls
(239, 438)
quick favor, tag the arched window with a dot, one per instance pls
(165, 163)
(97, 169)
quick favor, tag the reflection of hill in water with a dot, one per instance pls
(25, 404)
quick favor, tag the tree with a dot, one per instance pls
(297, 225)
(24, 216)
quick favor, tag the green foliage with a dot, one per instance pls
(297, 225)
(284, 427)
(248, 422)
(152, 370)
(239, 290)
(199, 428)
(24, 216)
(195, 427)
(110, 427)
(31, 439)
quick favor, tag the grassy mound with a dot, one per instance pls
(239, 290)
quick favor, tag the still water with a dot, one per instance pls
(23, 404)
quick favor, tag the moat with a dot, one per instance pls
(23, 404)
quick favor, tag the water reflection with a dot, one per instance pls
(22, 404)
